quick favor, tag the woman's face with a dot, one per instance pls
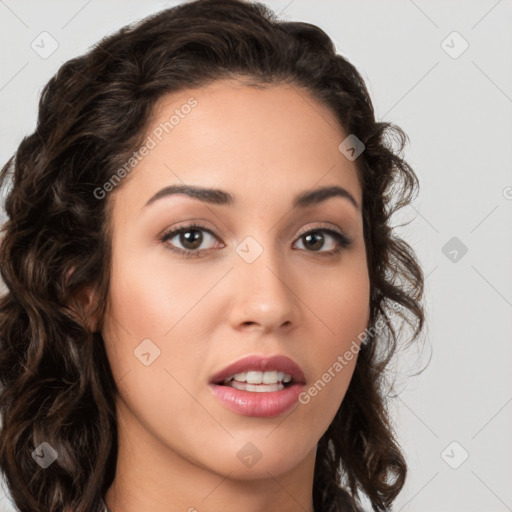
(255, 284)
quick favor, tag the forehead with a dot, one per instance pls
(263, 142)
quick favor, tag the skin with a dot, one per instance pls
(178, 444)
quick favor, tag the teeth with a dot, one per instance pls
(269, 377)
(258, 388)
(254, 378)
(258, 378)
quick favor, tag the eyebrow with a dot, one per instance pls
(221, 197)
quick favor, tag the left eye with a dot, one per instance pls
(316, 237)
(191, 238)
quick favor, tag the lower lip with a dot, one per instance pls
(255, 404)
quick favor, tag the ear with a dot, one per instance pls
(82, 304)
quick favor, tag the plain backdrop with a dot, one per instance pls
(442, 71)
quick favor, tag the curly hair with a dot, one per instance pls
(56, 383)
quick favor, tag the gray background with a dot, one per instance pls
(457, 110)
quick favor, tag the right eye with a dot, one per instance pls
(189, 237)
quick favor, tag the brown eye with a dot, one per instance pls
(314, 240)
(189, 237)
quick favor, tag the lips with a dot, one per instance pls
(265, 401)
(278, 363)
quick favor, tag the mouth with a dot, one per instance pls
(259, 382)
(259, 386)
(258, 372)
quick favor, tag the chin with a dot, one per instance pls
(249, 463)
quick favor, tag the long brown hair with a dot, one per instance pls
(57, 386)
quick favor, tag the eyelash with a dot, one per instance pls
(343, 241)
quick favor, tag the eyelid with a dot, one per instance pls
(328, 227)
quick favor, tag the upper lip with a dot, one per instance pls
(262, 363)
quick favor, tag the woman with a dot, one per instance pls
(202, 276)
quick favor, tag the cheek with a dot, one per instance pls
(149, 296)
(341, 308)
(154, 308)
(149, 336)
(340, 301)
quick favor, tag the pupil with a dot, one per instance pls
(194, 240)
(319, 240)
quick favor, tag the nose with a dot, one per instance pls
(263, 294)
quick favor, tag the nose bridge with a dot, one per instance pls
(263, 292)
